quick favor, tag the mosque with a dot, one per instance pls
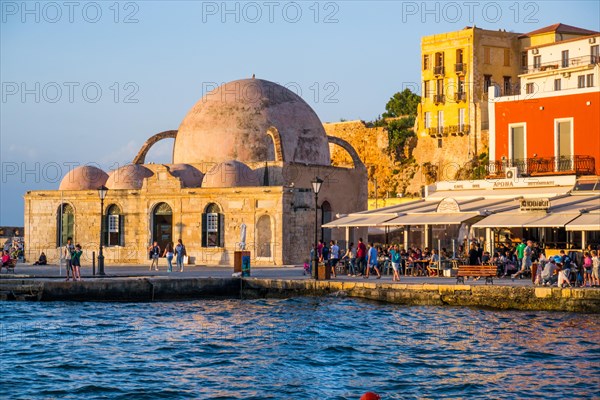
(243, 159)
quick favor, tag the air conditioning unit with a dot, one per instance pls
(512, 173)
(535, 51)
(592, 40)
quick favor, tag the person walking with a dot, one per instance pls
(154, 250)
(396, 259)
(372, 262)
(361, 257)
(351, 256)
(68, 251)
(334, 256)
(76, 263)
(180, 250)
(169, 254)
(526, 264)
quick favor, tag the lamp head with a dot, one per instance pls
(102, 191)
(316, 184)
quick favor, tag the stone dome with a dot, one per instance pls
(85, 177)
(230, 174)
(190, 176)
(128, 177)
(231, 123)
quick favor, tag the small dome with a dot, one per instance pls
(190, 176)
(85, 177)
(128, 177)
(230, 174)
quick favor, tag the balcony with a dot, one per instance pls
(460, 68)
(542, 166)
(438, 70)
(439, 98)
(458, 130)
(436, 131)
(460, 96)
(582, 61)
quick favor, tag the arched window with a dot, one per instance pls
(213, 227)
(326, 216)
(65, 223)
(113, 226)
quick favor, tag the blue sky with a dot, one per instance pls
(89, 82)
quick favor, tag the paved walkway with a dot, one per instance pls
(287, 272)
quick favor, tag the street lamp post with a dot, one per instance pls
(316, 184)
(102, 190)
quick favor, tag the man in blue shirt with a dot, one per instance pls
(372, 261)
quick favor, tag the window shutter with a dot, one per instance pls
(121, 230)
(204, 232)
(221, 230)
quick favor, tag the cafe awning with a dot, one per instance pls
(525, 220)
(585, 222)
(359, 220)
(431, 219)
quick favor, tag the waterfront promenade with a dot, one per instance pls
(135, 283)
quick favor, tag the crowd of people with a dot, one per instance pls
(516, 259)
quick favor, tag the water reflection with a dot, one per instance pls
(302, 348)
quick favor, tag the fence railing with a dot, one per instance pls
(558, 64)
(538, 166)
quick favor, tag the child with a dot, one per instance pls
(76, 263)
(306, 268)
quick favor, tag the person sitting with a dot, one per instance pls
(6, 261)
(549, 276)
(42, 260)
(434, 263)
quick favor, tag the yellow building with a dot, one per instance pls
(456, 70)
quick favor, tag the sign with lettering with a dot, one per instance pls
(535, 205)
(448, 205)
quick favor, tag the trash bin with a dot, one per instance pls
(324, 272)
(246, 264)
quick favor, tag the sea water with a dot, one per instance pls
(299, 348)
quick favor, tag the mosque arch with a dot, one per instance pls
(349, 149)
(140, 158)
(162, 224)
(65, 223)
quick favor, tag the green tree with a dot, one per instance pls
(402, 103)
(399, 131)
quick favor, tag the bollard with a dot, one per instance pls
(94, 263)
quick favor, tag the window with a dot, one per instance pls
(212, 227)
(524, 59)
(565, 58)
(581, 81)
(563, 144)
(427, 119)
(595, 54)
(590, 80)
(557, 84)
(529, 88)
(461, 119)
(113, 228)
(507, 57)
(426, 89)
(440, 121)
(487, 82)
(439, 63)
(65, 222)
(439, 143)
(537, 62)
(459, 56)
(461, 84)
(486, 55)
(425, 62)
(507, 85)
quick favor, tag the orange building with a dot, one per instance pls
(553, 126)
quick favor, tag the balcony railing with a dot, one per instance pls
(560, 64)
(460, 96)
(540, 166)
(450, 130)
(460, 68)
(439, 98)
(438, 70)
